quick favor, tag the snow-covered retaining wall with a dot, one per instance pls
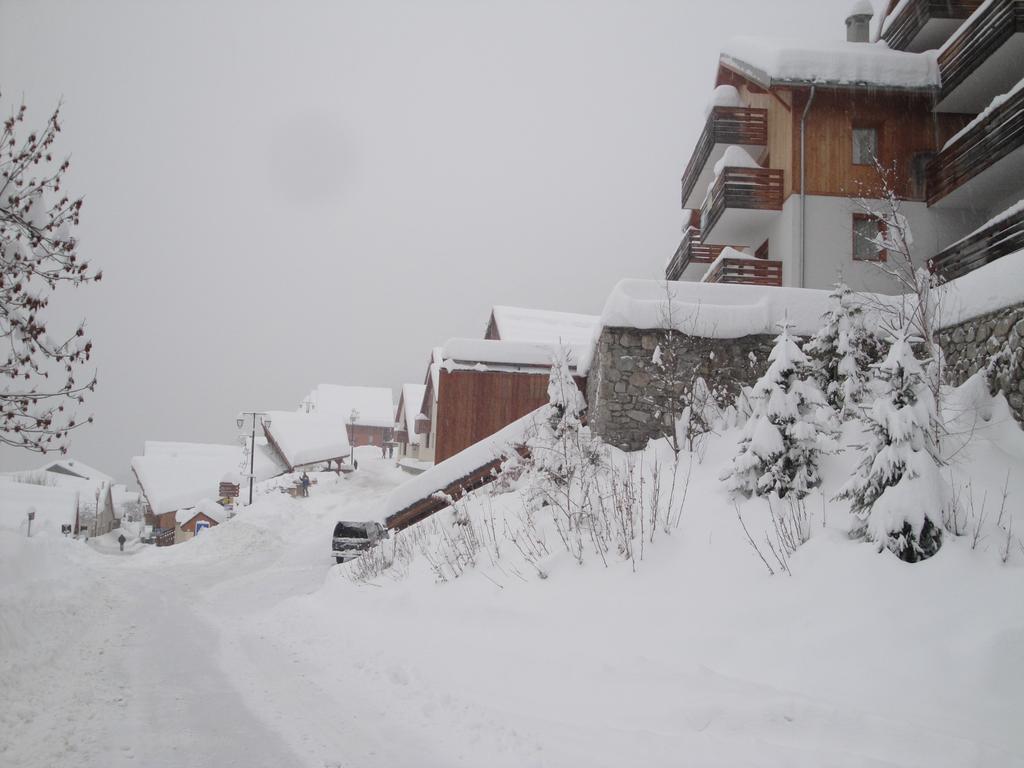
(970, 345)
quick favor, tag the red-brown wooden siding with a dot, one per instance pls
(475, 404)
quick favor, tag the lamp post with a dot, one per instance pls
(240, 421)
(352, 419)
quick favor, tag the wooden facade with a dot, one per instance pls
(475, 404)
(189, 526)
(363, 435)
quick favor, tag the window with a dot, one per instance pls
(866, 231)
(865, 144)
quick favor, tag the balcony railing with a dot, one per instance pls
(916, 14)
(983, 247)
(998, 134)
(746, 272)
(742, 188)
(691, 251)
(743, 126)
(976, 42)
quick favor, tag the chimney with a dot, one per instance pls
(858, 22)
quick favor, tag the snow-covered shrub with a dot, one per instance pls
(898, 494)
(789, 426)
(842, 352)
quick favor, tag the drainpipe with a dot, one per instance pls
(803, 189)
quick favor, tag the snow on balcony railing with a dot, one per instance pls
(910, 17)
(990, 137)
(999, 237)
(744, 189)
(691, 251)
(991, 25)
(725, 125)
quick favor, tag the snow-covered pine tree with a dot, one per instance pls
(558, 450)
(842, 352)
(898, 493)
(789, 427)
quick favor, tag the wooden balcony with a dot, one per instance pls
(923, 25)
(981, 248)
(983, 59)
(746, 272)
(976, 155)
(743, 126)
(691, 251)
(740, 205)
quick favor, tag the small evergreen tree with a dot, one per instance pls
(789, 427)
(898, 494)
(843, 351)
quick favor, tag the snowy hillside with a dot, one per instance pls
(485, 642)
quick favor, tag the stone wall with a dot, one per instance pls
(970, 345)
(626, 397)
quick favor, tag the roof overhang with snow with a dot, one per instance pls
(839, 64)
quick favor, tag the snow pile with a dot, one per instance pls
(542, 326)
(987, 289)
(727, 253)
(53, 506)
(308, 438)
(472, 353)
(374, 405)
(734, 157)
(723, 96)
(773, 62)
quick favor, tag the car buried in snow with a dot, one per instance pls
(353, 539)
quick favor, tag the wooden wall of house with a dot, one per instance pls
(190, 525)
(779, 151)
(476, 404)
(907, 128)
(360, 435)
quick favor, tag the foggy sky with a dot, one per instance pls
(283, 194)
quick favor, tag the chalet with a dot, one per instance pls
(177, 476)
(306, 439)
(412, 426)
(777, 185)
(484, 385)
(192, 521)
(369, 412)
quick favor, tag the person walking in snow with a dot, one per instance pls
(305, 484)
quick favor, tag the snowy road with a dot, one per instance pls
(128, 668)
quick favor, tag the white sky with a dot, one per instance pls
(288, 193)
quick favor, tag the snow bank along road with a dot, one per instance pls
(248, 647)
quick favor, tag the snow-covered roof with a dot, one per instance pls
(54, 506)
(374, 404)
(411, 403)
(308, 438)
(804, 62)
(537, 325)
(78, 468)
(177, 475)
(206, 506)
(487, 354)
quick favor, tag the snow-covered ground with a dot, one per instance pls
(247, 645)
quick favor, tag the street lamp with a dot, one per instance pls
(352, 419)
(240, 421)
